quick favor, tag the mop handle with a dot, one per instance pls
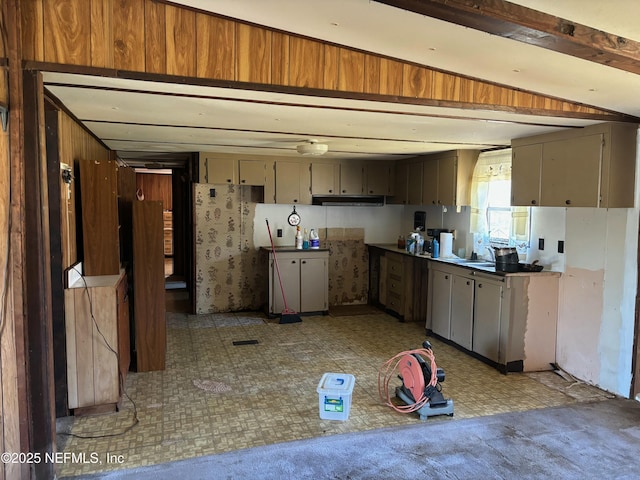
(275, 261)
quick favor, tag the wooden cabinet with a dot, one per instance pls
(100, 224)
(414, 184)
(218, 170)
(446, 177)
(440, 300)
(252, 172)
(526, 169)
(325, 178)
(305, 280)
(293, 182)
(395, 294)
(351, 178)
(462, 302)
(97, 337)
(378, 178)
(149, 286)
(400, 184)
(589, 167)
(487, 316)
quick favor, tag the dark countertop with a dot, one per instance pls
(294, 249)
(479, 265)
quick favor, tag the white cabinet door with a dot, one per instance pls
(462, 293)
(313, 284)
(290, 273)
(486, 326)
(441, 308)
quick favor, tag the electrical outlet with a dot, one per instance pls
(560, 246)
(279, 233)
(541, 244)
(212, 192)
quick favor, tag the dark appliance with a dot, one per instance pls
(506, 259)
(419, 220)
(433, 234)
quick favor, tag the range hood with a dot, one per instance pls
(348, 200)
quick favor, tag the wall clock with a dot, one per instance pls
(294, 218)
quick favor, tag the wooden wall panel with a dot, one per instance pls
(216, 39)
(331, 68)
(391, 77)
(181, 41)
(280, 59)
(417, 82)
(128, 35)
(155, 38)
(371, 74)
(67, 30)
(155, 187)
(32, 30)
(350, 70)
(306, 57)
(149, 289)
(101, 34)
(253, 50)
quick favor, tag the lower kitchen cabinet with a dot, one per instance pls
(487, 316)
(508, 320)
(401, 286)
(305, 280)
(97, 341)
(462, 300)
(440, 300)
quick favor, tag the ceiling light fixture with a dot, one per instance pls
(312, 147)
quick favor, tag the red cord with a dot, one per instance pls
(389, 369)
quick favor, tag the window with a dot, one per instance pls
(494, 222)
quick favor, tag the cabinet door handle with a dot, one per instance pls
(468, 282)
(293, 261)
(370, 191)
(228, 180)
(479, 285)
(330, 191)
(534, 202)
(304, 261)
(344, 191)
(295, 200)
(446, 277)
(568, 202)
(242, 181)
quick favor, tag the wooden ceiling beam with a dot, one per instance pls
(508, 20)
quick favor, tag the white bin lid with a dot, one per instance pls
(336, 383)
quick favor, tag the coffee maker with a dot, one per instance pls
(433, 234)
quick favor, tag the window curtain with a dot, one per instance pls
(495, 166)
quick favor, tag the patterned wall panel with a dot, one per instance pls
(230, 274)
(348, 266)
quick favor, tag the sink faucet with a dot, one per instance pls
(492, 254)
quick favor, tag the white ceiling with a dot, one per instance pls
(133, 116)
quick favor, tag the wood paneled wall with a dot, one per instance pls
(75, 145)
(190, 43)
(155, 186)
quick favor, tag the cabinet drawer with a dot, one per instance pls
(394, 285)
(394, 267)
(395, 302)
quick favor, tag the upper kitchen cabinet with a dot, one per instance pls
(351, 178)
(100, 221)
(414, 183)
(325, 178)
(400, 184)
(526, 167)
(446, 177)
(218, 170)
(379, 178)
(252, 172)
(293, 182)
(590, 167)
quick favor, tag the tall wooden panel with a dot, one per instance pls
(372, 74)
(216, 41)
(391, 74)
(253, 47)
(350, 70)
(155, 38)
(306, 55)
(417, 82)
(67, 32)
(101, 34)
(99, 204)
(181, 41)
(128, 36)
(148, 286)
(331, 67)
(280, 58)
(32, 30)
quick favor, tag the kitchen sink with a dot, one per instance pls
(474, 263)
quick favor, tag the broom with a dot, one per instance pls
(287, 316)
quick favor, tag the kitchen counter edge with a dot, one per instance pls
(390, 247)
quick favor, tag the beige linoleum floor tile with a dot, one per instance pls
(215, 396)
